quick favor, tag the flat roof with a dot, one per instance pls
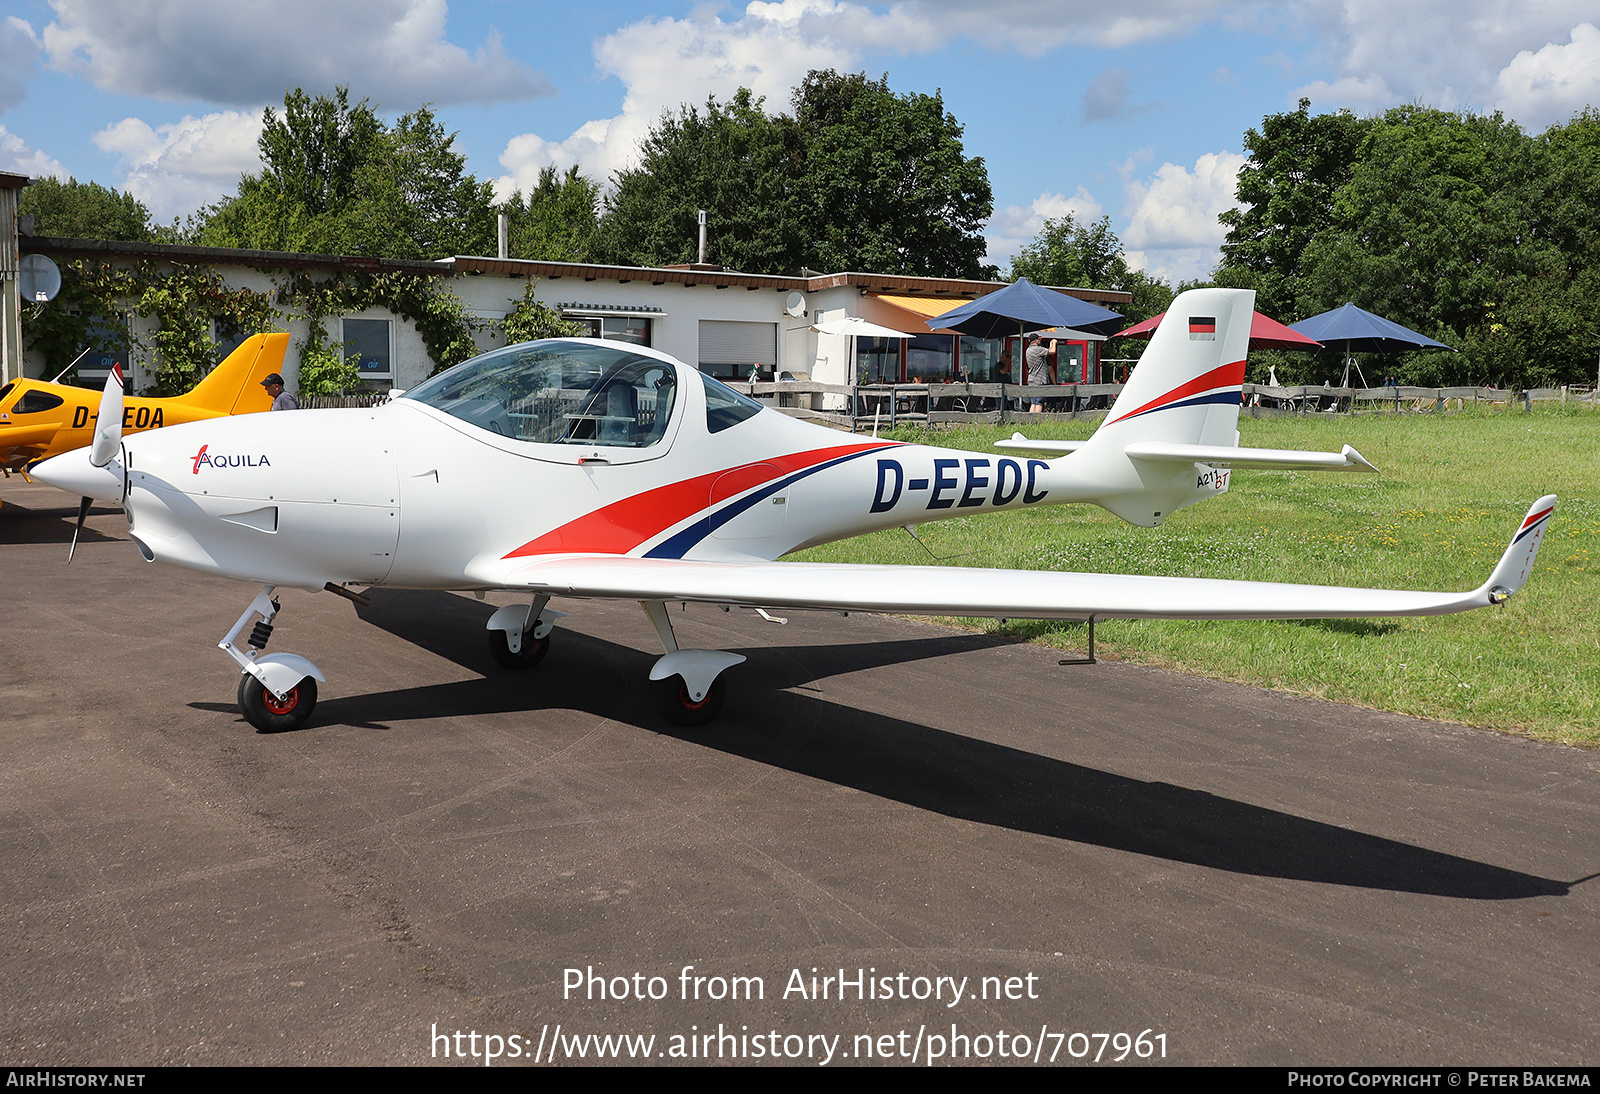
(473, 265)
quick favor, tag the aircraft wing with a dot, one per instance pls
(1023, 594)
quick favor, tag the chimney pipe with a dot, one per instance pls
(702, 258)
(505, 236)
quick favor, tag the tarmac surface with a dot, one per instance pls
(1242, 877)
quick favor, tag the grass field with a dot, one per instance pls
(1452, 490)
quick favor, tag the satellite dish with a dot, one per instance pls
(794, 305)
(38, 279)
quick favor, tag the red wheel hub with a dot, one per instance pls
(285, 705)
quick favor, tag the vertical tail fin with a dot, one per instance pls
(1184, 391)
(1186, 386)
(234, 386)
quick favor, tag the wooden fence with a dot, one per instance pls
(887, 406)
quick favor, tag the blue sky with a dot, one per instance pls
(1137, 113)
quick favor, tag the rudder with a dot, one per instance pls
(1186, 386)
(234, 386)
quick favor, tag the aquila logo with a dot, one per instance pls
(204, 458)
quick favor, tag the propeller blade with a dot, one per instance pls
(83, 512)
(108, 426)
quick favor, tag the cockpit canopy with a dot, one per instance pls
(560, 392)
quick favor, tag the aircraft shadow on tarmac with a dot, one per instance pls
(927, 768)
(19, 524)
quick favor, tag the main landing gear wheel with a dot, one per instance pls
(681, 710)
(532, 652)
(270, 714)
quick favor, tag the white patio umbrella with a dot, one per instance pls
(856, 327)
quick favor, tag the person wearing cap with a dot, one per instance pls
(281, 399)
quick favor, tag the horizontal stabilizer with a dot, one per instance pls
(1280, 458)
(1019, 443)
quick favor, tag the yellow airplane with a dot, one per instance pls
(40, 419)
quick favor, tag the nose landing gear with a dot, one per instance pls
(278, 691)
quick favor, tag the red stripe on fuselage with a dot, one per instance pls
(623, 525)
(1221, 376)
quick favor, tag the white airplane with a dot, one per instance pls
(579, 468)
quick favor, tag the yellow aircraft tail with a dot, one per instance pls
(234, 386)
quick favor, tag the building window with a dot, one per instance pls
(228, 336)
(618, 328)
(735, 350)
(366, 344)
(930, 358)
(979, 359)
(878, 360)
(107, 343)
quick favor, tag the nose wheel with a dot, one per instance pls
(271, 714)
(277, 691)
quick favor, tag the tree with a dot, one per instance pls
(84, 210)
(1298, 162)
(555, 220)
(1068, 253)
(1089, 256)
(858, 178)
(887, 184)
(730, 159)
(413, 197)
(1436, 229)
(336, 180)
(313, 153)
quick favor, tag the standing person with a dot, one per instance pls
(281, 399)
(1041, 371)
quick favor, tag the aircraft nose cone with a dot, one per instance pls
(72, 472)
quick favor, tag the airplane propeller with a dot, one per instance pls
(108, 426)
(83, 511)
(106, 444)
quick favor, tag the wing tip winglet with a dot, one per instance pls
(1512, 571)
(1357, 460)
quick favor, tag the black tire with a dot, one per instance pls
(681, 710)
(263, 710)
(532, 652)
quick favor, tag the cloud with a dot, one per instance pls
(1548, 86)
(1037, 26)
(664, 63)
(1015, 225)
(19, 159)
(250, 51)
(1172, 217)
(176, 168)
(1452, 54)
(1106, 98)
(19, 46)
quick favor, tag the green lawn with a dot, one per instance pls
(1452, 491)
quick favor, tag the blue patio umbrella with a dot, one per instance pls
(1358, 331)
(1020, 307)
